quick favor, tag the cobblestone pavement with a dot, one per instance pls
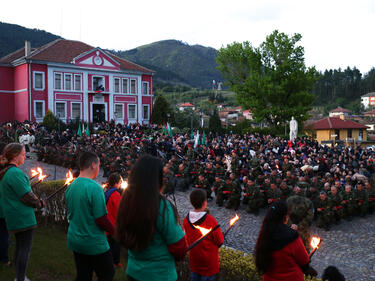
(350, 246)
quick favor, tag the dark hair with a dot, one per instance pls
(331, 273)
(113, 179)
(9, 152)
(198, 197)
(275, 216)
(139, 206)
(86, 159)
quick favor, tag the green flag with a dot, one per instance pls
(204, 141)
(169, 130)
(88, 130)
(79, 132)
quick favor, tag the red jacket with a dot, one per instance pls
(204, 258)
(287, 262)
(112, 206)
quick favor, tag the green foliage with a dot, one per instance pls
(160, 111)
(271, 80)
(51, 122)
(214, 123)
(177, 62)
(182, 119)
(12, 37)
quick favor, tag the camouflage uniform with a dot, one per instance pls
(301, 213)
(349, 204)
(361, 199)
(337, 210)
(235, 195)
(255, 199)
(223, 193)
(324, 213)
(218, 185)
(273, 195)
(204, 184)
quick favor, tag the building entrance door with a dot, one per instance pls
(98, 114)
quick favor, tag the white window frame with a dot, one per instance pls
(71, 81)
(127, 85)
(135, 84)
(147, 88)
(135, 118)
(143, 111)
(92, 81)
(43, 109)
(114, 85)
(71, 110)
(80, 84)
(66, 113)
(43, 80)
(61, 80)
(123, 113)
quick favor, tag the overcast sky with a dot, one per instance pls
(335, 33)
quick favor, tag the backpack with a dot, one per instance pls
(109, 192)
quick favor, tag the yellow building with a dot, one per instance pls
(334, 129)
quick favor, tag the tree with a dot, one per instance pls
(271, 80)
(160, 111)
(51, 122)
(214, 123)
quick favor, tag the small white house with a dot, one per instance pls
(368, 100)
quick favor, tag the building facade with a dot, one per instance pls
(368, 100)
(74, 81)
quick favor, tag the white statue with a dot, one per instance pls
(293, 125)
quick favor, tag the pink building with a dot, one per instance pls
(73, 80)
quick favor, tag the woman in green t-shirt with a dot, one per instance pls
(18, 202)
(148, 225)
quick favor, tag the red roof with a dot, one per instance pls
(340, 109)
(337, 123)
(371, 112)
(15, 55)
(64, 51)
(186, 104)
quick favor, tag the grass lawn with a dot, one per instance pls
(50, 259)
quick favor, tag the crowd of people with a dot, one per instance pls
(251, 170)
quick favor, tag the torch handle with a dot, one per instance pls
(202, 238)
(57, 191)
(38, 182)
(226, 232)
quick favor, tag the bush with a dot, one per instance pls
(234, 265)
(51, 122)
(55, 212)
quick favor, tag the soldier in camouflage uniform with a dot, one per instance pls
(204, 184)
(255, 198)
(235, 194)
(285, 190)
(181, 181)
(312, 193)
(209, 174)
(324, 211)
(371, 197)
(348, 203)
(219, 170)
(218, 185)
(245, 187)
(301, 213)
(223, 192)
(273, 194)
(361, 199)
(169, 181)
(336, 199)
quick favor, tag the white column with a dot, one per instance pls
(111, 93)
(50, 90)
(85, 96)
(139, 115)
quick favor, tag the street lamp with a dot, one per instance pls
(201, 115)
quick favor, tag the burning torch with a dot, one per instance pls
(205, 233)
(315, 243)
(231, 224)
(68, 181)
(38, 172)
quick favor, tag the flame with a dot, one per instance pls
(104, 185)
(233, 221)
(69, 177)
(203, 230)
(40, 172)
(315, 241)
(34, 173)
(124, 184)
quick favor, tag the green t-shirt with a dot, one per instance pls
(85, 202)
(13, 186)
(155, 262)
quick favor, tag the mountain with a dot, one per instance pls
(176, 61)
(12, 37)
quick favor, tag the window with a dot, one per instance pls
(117, 85)
(38, 80)
(144, 88)
(132, 86)
(132, 111)
(119, 111)
(61, 109)
(58, 85)
(78, 82)
(39, 109)
(125, 86)
(76, 110)
(349, 133)
(98, 83)
(68, 82)
(145, 112)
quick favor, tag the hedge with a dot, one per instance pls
(234, 265)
